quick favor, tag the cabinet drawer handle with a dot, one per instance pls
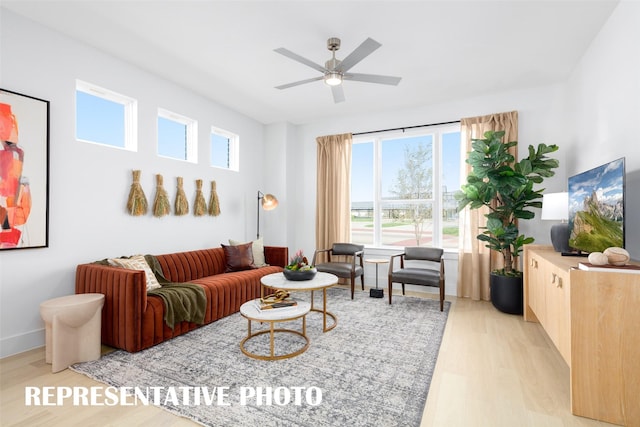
(556, 279)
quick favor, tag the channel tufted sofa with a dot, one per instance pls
(133, 320)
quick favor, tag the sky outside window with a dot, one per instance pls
(99, 120)
(220, 146)
(451, 161)
(362, 172)
(172, 139)
(393, 160)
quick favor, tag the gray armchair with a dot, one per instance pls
(351, 268)
(428, 269)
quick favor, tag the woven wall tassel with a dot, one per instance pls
(214, 202)
(161, 203)
(137, 203)
(200, 206)
(182, 204)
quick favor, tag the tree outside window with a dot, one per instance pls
(415, 182)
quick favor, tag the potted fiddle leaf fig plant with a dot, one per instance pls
(505, 186)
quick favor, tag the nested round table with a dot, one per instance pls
(321, 281)
(251, 311)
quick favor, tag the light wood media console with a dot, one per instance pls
(593, 318)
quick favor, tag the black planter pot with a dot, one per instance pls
(506, 293)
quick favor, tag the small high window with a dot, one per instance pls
(105, 117)
(224, 149)
(177, 136)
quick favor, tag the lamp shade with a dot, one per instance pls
(269, 202)
(555, 207)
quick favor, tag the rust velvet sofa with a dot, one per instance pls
(133, 320)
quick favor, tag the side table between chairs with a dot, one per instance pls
(377, 292)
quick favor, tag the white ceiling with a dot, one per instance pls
(443, 50)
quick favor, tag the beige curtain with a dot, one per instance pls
(475, 261)
(333, 196)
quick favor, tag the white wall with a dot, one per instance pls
(604, 109)
(89, 184)
(275, 224)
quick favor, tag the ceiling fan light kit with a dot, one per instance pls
(333, 79)
(335, 71)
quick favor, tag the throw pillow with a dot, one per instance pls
(137, 262)
(258, 251)
(239, 257)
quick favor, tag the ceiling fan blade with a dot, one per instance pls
(361, 52)
(338, 93)
(373, 78)
(300, 59)
(301, 82)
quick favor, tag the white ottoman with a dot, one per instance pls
(72, 329)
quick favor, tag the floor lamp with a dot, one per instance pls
(268, 202)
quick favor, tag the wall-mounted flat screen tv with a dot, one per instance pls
(596, 208)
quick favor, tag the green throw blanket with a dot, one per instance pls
(182, 301)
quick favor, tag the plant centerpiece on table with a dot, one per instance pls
(299, 268)
(505, 187)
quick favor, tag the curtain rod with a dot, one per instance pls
(405, 128)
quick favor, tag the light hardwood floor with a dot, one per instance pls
(493, 369)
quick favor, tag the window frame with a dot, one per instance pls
(191, 135)
(437, 201)
(234, 148)
(130, 114)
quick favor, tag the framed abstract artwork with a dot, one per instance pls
(24, 171)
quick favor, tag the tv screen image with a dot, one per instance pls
(596, 208)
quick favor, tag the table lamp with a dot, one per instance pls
(555, 207)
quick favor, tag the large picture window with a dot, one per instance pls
(402, 187)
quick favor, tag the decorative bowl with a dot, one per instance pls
(298, 275)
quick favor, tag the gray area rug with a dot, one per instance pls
(373, 369)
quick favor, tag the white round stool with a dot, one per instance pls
(72, 329)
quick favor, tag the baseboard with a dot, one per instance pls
(21, 343)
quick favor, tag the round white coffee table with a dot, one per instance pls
(321, 281)
(251, 311)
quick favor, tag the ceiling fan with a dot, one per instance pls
(335, 70)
